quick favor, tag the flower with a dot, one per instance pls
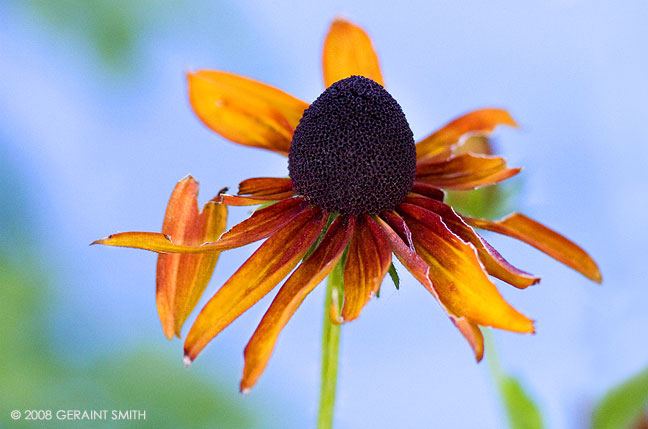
(360, 190)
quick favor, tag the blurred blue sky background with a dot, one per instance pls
(94, 138)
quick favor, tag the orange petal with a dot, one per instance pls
(255, 278)
(348, 51)
(260, 186)
(494, 263)
(181, 279)
(261, 224)
(457, 274)
(439, 144)
(544, 239)
(472, 334)
(245, 111)
(421, 271)
(308, 275)
(464, 172)
(367, 263)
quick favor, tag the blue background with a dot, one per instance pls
(95, 148)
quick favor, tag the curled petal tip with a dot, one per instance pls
(187, 361)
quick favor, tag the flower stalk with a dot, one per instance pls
(330, 346)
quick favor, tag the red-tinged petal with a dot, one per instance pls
(457, 274)
(427, 190)
(421, 272)
(440, 143)
(245, 111)
(255, 278)
(260, 186)
(494, 263)
(260, 225)
(464, 172)
(182, 277)
(243, 200)
(544, 239)
(308, 275)
(367, 263)
(263, 223)
(472, 334)
(348, 51)
(397, 223)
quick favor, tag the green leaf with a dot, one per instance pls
(622, 405)
(520, 408)
(394, 276)
(521, 411)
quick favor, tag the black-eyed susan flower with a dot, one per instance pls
(360, 189)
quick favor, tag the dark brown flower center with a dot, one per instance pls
(353, 151)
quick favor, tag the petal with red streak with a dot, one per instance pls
(544, 239)
(261, 224)
(464, 172)
(457, 274)
(367, 263)
(420, 270)
(260, 186)
(439, 144)
(427, 190)
(494, 263)
(255, 278)
(308, 275)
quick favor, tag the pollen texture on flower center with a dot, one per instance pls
(353, 151)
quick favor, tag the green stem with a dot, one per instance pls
(330, 347)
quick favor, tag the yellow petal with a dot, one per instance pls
(245, 111)
(348, 51)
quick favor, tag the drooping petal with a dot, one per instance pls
(348, 51)
(181, 279)
(457, 274)
(308, 275)
(260, 186)
(245, 111)
(260, 225)
(439, 144)
(421, 272)
(464, 172)
(427, 190)
(367, 263)
(494, 263)
(255, 278)
(544, 239)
